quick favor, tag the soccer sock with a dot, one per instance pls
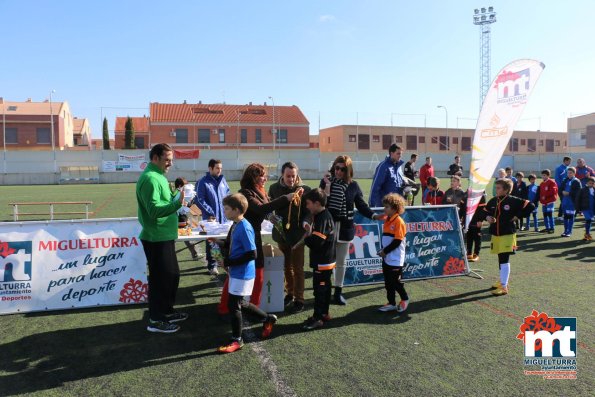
(535, 221)
(504, 273)
(588, 226)
(565, 224)
(570, 223)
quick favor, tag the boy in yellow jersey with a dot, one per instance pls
(393, 253)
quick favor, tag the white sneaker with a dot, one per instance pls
(388, 308)
(214, 272)
(402, 306)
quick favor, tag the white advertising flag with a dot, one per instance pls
(502, 107)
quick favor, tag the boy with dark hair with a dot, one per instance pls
(519, 190)
(501, 212)
(585, 202)
(548, 195)
(321, 241)
(533, 196)
(454, 195)
(239, 262)
(571, 187)
(508, 171)
(393, 253)
(433, 195)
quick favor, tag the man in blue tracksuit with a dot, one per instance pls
(388, 177)
(210, 191)
(559, 176)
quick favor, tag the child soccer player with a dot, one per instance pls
(520, 190)
(585, 202)
(239, 261)
(501, 212)
(548, 195)
(571, 187)
(321, 241)
(474, 230)
(393, 252)
(454, 194)
(533, 196)
(433, 195)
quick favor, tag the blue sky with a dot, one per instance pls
(333, 58)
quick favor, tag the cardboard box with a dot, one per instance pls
(273, 290)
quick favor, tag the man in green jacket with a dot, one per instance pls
(159, 220)
(292, 219)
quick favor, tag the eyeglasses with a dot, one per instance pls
(342, 169)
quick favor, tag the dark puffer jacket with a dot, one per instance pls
(296, 231)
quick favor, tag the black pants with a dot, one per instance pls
(164, 277)
(393, 283)
(503, 258)
(236, 304)
(321, 281)
(473, 238)
(560, 212)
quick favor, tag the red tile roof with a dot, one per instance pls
(225, 114)
(141, 124)
(77, 125)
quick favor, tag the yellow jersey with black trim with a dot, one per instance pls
(394, 228)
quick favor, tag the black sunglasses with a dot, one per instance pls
(337, 168)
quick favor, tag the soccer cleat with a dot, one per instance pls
(162, 327)
(470, 256)
(387, 308)
(497, 285)
(298, 306)
(288, 299)
(313, 324)
(544, 231)
(550, 231)
(474, 258)
(565, 234)
(232, 347)
(589, 237)
(176, 317)
(339, 299)
(267, 327)
(500, 291)
(403, 305)
(214, 271)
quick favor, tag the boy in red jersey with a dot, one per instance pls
(548, 195)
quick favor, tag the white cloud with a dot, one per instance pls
(326, 18)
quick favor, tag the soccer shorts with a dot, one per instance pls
(504, 244)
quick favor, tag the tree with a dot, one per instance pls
(105, 135)
(129, 134)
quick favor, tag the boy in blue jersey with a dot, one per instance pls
(585, 202)
(533, 197)
(571, 188)
(239, 262)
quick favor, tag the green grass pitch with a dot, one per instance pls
(455, 340)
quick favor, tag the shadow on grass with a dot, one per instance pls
(50, 359)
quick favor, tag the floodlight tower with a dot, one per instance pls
(484, 17)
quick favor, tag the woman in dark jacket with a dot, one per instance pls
(259, 206)
(344, 194)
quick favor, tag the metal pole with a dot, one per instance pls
(357, 136)
(4, 132)
(52, 131)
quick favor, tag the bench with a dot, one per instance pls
(51, 213)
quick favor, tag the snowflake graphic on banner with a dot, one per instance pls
(134, 291)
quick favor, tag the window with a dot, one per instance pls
(387, 140)
(44, 136)
(444, 143)
(375, 138)
(139, 142)
(363, 142)
(531, 145)
(181, 135)
(351, 138)
(455, 140)
(398, 139)
(204, 135)
(258, 138)
(549, 145)
(422, 139)
(434, 140)
(523, 142)
(557, 143)
(244, 135)
(513, 145)
(411, 142)
(466, 143)
(281, 136)
(11, 135)
(221, 135)
(328, 140)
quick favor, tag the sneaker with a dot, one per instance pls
(550, 231)
(560, 218)
(565, 235)
(536, 230)
(544, 231)
(162, 327)
(267, 327)
(500, 291)
(470, 256)
(214, 271)
(403, 305)
(232, 347)
(387, 308)
(339, 299)
(288, 299)
(313, 324)
(298, 306)
(474, 258)
(497, 285)
(589, 237)
(326, 318)
(176, 317)
(524, 229)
